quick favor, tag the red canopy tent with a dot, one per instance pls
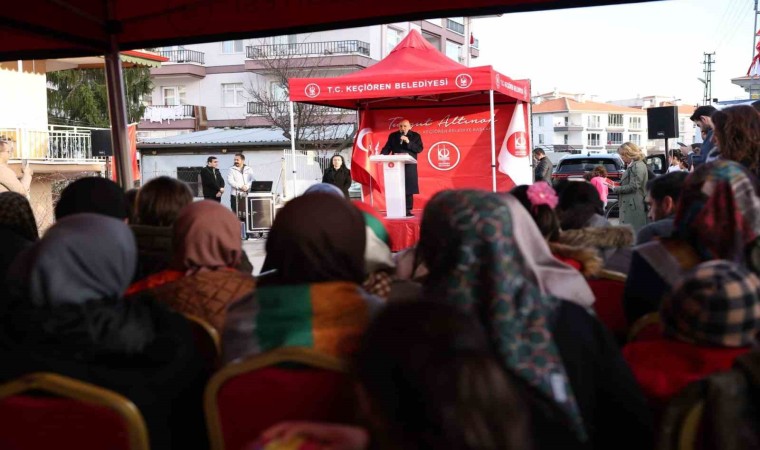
(53, 29)
(415, 76)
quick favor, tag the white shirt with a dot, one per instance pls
(240, 178)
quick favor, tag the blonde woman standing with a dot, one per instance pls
(632, 189)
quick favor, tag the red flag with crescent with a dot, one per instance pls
(365, 145)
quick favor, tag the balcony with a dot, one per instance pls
(183, 56)
(562, 126)
(305, 49)
(161, 113)
(475, 44)
(280, 108)
(456, 27)
(57, 144)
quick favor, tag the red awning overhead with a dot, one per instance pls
(414, 73)
(32, 29)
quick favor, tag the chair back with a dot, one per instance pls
(608, 288)
(44, 410)
(248, 396)
(647, 328)
(207, 341)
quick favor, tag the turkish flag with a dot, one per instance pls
(365, 146)
(514, 157)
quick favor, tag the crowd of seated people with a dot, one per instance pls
(485, 335)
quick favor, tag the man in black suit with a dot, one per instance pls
(212, 180)
(406, 141)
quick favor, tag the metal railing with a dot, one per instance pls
(56, 143)
(456, 27)
(307, 49)
(183, 56)
(280, 108)
(160, 113)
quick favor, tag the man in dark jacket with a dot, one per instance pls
(702, 118)
(543, 169)
(406, 141)
(212, 180)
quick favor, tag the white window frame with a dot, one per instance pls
(634, 123)
(393, 37)
(179, 94)
(611, 141)
(616, 123)
(635, 138)
(594, 121)
(541, 139)
(450, 48)
(238, 94)
(234, 45)
(540, 121)
(594, 142)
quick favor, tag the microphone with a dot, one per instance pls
(402, 135)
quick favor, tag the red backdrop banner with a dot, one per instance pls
(456, 149)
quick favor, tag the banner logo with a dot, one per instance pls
(463, 81)
(498, 79)
(517, 144)
(311, 90)
(443, 156)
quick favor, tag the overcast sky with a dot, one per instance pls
(622, 51)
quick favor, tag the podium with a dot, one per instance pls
(395, 181)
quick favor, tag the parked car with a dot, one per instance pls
(575, 167)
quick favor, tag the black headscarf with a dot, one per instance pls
(66, 291)
(16, 215)
(317, 237)
(93, 195)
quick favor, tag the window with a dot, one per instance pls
(540, 138)
(614, 138)
(634, 123)
(433, 39)
(278, 92)
(594, 122)
(191, 176)
(540, 121)
(566, 139)
(233, 94)
(173, 95)
(593, 139)
(286, 39)
(615, 120)
(232, 46)
(454, 51)
(394, 37)
(635, 138)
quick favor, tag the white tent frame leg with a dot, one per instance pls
(293, 146)
(493, 141)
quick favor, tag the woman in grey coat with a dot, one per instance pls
(632, 189)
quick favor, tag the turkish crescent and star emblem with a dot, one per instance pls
(312, 90)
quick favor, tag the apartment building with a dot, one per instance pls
(210, 85)
(688, 133)
(574, 124)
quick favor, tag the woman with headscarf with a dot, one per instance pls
(717, 217)
(18, 228)
(65, 314)
(207, 248)
(338, 174)
(309, 293)
(711, 318)
(485, 254)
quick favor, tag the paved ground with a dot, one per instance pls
(256, 253)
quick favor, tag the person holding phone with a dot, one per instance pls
(9, 181)
(406, 141)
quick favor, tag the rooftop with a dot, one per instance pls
(570, 105)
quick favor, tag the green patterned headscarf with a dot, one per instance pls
(468, 244)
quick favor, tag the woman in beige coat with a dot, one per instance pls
(632, 189)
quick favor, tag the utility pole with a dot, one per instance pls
(708, 70)
(754, 32)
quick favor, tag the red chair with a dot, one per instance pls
(245, 398)
(207, 341)
(67, 414)
(647, 328)
(608, 289)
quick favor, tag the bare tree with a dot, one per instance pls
(318, 128)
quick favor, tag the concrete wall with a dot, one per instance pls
(23, 90)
